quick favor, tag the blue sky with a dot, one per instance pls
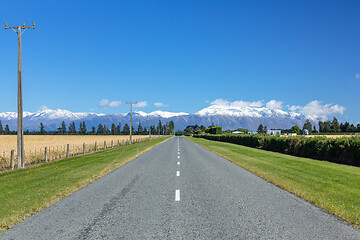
(183, 54)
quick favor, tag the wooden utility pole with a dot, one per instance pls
(149, 129)
(20, 128)
(131, 103)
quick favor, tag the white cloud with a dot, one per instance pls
(220, 102)
(42, 108)
(315, 109)
(103, 103)
(246, 104)
(273, 104)
(357, 76)
(141, 104)
(160, 104)
(240, 103)
(114, 103)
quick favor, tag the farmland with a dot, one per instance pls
(34, 145)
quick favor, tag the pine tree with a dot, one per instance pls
(118, 129)
(93, 130)
(145, 132)
(260, 129)
(84, 128)
(7, 130)
(42, 129)
(63, 128)
(172, 127)
(100, 129)
(307, 125)
(159, 128)
(1, 129)
(113, 129)
(140, 129)
(126, 130)
(265, 129)
(327, 126)
(335, 127)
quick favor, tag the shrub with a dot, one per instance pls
(345, 150)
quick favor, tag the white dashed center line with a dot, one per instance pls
(178, 173)
(178, 156)
(178, 163)
(177, 195)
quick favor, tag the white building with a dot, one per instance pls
(274, 132)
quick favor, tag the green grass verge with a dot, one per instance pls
(330, 186)
(24, 192)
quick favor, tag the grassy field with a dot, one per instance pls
(330, 186)
(35, 144)
(24, 192)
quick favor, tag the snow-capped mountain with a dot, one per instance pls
(228, 117)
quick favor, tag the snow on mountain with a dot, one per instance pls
(164, 114)
(229, 117)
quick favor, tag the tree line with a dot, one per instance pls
(102, 129)
(324, 127)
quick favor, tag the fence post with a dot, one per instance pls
(104, 144)
(46, 154)
(95, 146)
(67, 150)
(118, 144)
(84, 148)
(112, 143)
(12, 159)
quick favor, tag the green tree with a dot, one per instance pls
(159, 128)
(335, 127)
(118, 129)
(81, 129)
(126, 130)
(327, 126)
(100, 129)
(113, 129)
(1, 129)
(42, 129)
(296, 129)
(314, 129)
(321, 126)
(140, 129)
(265, 129)
(260, 129)
(7, 130)
(63, 128)
(172, 127)
(84, 128)
(307, 125)
(93, 130)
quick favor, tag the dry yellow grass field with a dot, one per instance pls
(56, 144)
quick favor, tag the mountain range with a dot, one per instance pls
(226, 116)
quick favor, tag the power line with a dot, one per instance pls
(20, 128)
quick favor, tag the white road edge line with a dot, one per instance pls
(177, 195)
(178, 173)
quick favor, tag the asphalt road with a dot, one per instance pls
(209, 198)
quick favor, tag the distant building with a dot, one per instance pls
(252, 133)
(274, 132)
(292, 134)
(237, 132)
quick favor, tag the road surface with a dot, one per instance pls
(180, 190)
